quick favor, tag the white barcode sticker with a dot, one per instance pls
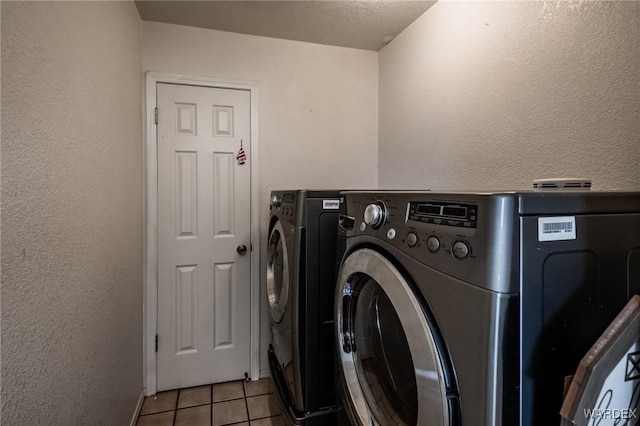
(330, 204)
(556, 228)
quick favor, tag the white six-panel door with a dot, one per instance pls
(203, 223)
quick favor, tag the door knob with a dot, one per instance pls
(241, 249)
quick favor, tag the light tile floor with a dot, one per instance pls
(238, 403)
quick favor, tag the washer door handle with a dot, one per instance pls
(241, 249)
(348, 345)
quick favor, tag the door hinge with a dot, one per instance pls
(155, 115)
(156, 343)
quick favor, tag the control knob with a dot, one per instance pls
(276, 201)
(374, 215)
(460, 249)
(433, 244)
(412, 239)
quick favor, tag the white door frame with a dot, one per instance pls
(150, 308)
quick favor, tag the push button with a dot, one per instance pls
(433, 244)
(412, 239)
(460, 249)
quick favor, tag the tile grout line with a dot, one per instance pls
(246, 403)
(211, 401)
(175, 411)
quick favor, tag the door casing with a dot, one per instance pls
(150, 279)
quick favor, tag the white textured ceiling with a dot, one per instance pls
(361, 24)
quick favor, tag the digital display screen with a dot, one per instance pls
(444, 213)
(454, 211)
(428, 209)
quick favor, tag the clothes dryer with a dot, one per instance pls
(471, 308)
(301, 271)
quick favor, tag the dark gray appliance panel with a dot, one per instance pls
(316, 322)
(570, 291)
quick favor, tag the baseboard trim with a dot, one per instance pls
(134, 420)
(264, 374)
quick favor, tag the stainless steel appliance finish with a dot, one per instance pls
(440, 313)
(301, 266)
(283, 259)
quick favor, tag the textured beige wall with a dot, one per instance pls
(71, 213)
(492, 95)
(318, 107)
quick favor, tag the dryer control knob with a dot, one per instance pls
(276, 201)
(433, 244)
(412, 239)
(374, 215)
(460, 249)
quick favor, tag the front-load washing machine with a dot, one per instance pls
(301, 271)
(472, 308)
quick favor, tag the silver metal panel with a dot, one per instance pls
(285, 217)
(474, 300)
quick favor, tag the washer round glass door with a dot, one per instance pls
(277, 272)
(392, 367)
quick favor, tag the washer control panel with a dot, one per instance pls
(465, 235)
(428, 229)
(449, 217)
(283, 204)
